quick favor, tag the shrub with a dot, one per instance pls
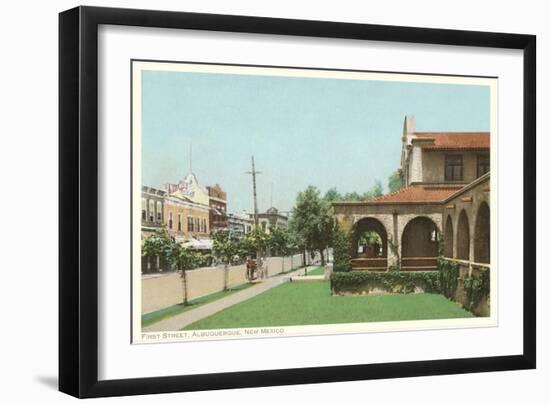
(476, 286)
(448, 277)
(158, 245)
(444, 281)
(342, 247)
(394, 267)
(395, 281)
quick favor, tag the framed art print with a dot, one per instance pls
(251, 201)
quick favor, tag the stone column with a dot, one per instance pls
(392, 256)
(471, 225)
(454, 218)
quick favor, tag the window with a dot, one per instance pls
(483, 165)
(170, 220)
(179, 222)
(189, 223)
(143, 209)
(197, 224)
(453, 168)
(159, 212)
(151, 210)
(204, 229)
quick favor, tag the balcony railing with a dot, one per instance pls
(148, 223)
(369, 264)
(477, 265)
(418, 263)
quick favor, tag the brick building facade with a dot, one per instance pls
(218, 208)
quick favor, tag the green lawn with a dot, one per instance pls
(153, 317)
(303, 303)
(316, 271)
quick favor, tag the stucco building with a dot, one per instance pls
(185, 219)
(187, 210)
(189, 189)
(271, 218)
(152, 209)
(444, 203)
(239, 224)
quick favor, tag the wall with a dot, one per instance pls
(185, 210)
(29, 156)
(483, 307)
(468, 201)
(433, 165)
(162, 290)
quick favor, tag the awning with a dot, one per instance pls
(199, 244)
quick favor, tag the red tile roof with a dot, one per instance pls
(455, 140)
(418, 194)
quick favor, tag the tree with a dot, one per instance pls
(225, 249)
(157, 246)
(371, 239)
(332, 195)
(395, 182)
(298, 242)
(279, 241)
(375, 191)
(353, 196)
(185, 259)
(312, 221)
(256, 242)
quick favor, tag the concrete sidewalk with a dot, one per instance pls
(182, 320)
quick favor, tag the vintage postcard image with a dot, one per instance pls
(272, 201)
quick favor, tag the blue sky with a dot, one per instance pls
(302, 131)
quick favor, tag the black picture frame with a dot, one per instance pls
(78, 200)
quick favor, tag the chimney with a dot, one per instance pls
(409, 127)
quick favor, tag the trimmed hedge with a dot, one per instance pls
(444, 280)
(394, 282)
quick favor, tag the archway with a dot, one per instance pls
(463, 237)
(449, 237)
(369, 245)
(420, 238)
(482, 235)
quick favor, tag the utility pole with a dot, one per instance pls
(190, 158)
(254, 172)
